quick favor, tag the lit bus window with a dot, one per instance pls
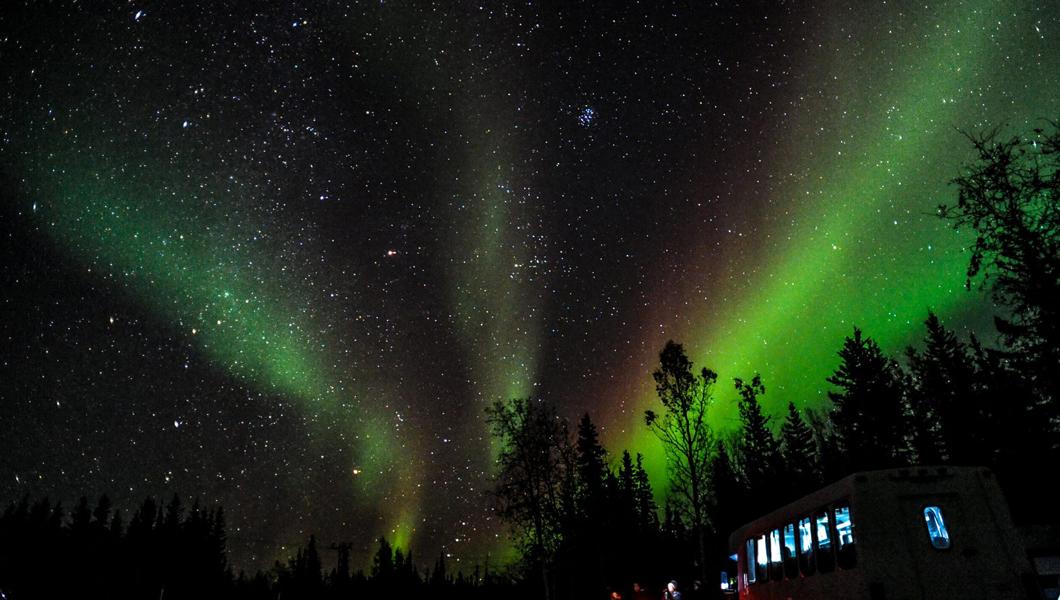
(774, 546)
(844, 528)
(805, 536)
(936, 527)
(750, 552)
(824, 542)
(762, 554)
(807, 564)
(776, 567)
(791, 565)
(825, 552)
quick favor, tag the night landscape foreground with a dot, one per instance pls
(478, 300)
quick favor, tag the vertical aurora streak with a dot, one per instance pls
(493, 292)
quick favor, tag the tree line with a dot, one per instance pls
(171, 552)
(46, 552)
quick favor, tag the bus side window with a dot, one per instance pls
(825, 550)
(936, 527)
(807, 562)
(762, 554)
(844, 527)
(749, 551)
(791, 564)
(776, 566)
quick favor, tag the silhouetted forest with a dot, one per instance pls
(585, 520)
(176, 552)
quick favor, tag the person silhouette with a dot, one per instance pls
(671, 592)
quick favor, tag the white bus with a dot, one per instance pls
(896, 534)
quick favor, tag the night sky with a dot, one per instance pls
(281, 257)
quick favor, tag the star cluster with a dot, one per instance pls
(282, 257)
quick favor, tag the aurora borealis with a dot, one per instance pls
(282, 257)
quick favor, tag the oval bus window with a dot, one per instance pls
(936, 527)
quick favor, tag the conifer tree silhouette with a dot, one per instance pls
(867, 407)
(800, 452)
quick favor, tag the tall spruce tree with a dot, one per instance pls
(587, 534)
(307, 571)
(591, 462)
(340, 576)
(624, 496)
(440, 574)
(647, 509)
(760, 457)
(383, 568)
(868, 409)
(947, 399)
(829, 456)
(800, 452)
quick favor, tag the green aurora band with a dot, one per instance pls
(857, 243)
(233, 303)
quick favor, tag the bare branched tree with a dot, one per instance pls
(686, 436)
(1009, 197)
(536, 464)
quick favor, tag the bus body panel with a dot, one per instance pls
(896, 558)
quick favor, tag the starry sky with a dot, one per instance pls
(281, 256)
